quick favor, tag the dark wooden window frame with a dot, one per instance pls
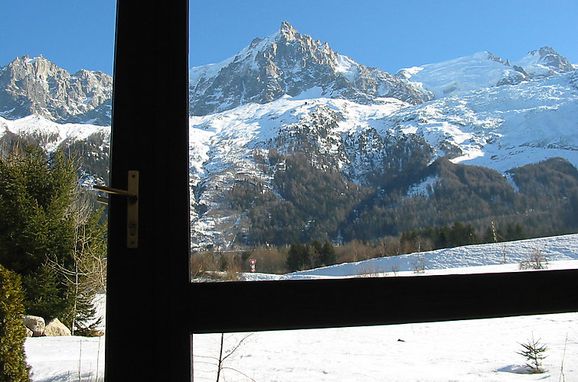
(153, 309)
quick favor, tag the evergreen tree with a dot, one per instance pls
(328, 255)
(13, 366)
(534, 353)
(39, 231)
(298, 258)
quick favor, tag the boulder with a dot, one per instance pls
(55, 328)
(35, 324)
(29, 333)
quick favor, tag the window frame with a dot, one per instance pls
(149, 287)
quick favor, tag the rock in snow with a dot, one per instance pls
(35, 324)
(55, 328)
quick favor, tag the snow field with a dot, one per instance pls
(477, 350)
(64, 359)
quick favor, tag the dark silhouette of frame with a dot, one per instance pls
(153, 309)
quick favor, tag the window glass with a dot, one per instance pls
(371, 138)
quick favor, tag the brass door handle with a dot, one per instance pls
(131, 207)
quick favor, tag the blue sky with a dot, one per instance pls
(390, 34)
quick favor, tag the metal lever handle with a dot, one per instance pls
(131, 208)
(114, 191)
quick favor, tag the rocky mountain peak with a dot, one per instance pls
(38, 86)
(38, 66)
(291, 51)
(555, 60)
(292, 63)
(545, 61)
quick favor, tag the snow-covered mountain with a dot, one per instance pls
(291, 63)
(290, 138)
(38, 86)
(497, 127)
(501, 127)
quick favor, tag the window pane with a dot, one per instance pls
(55, 109)
(346, 133)
(476, 350)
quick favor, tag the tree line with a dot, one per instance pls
(308, 203)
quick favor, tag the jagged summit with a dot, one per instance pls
(287, 31)
(290, 63)
(35, 85)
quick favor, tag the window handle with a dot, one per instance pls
(131, 207)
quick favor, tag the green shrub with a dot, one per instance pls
(13, 366)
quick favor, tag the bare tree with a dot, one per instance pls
(220, 362)
(87, 273)
(419, 264)
(535, 260)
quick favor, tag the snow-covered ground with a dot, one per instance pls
(474, 350)
(479, 350)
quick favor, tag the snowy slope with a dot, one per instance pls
(224, 147)
(484, 69)
(50, 134)
(560, 251)
(480, 70)
(497, 127)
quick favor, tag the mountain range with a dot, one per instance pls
(291, 141)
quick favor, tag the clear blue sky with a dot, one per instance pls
(390, 34)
